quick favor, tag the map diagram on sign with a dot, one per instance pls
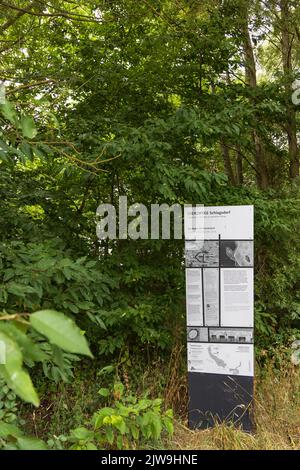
(231, 359)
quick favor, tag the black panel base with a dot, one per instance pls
(216, 398)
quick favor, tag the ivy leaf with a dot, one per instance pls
(61, 331)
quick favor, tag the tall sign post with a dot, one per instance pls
(219, 303)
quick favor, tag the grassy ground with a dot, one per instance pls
(277, 419)
(277, 409)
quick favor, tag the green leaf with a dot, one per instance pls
(28, 348)
(27, 150)
(109, 434)
(9, 112)
(119, 389)
(13, 354)
(119, 423)
(135, 432)
(31, 443)
(61, 331)
(106, 370)
(20, 382)
(81, 433)
(104, 392)
(28, 127)
(20, 290)
(99, 416)
(100, 322)
(156, 425)
(120, 442)
(15, 377)
(169, 425)
(9, 430)
(91, 446)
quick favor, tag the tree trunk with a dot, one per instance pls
(227, 164)
(286, 53)
(239, 167)
(262, 176)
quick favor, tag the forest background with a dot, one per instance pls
(166, 101)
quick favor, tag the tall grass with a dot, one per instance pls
(276, 406)
(277, 418)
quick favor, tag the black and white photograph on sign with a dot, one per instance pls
(231, 335)
(195, 334)
(236, 253)
(237, 297)
(211, 296)
(194, 299)
(232, 359)
(202, 253)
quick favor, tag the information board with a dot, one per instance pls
(219, 304)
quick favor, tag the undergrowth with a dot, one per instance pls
(277, 407)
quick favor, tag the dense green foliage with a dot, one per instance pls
(160, 101)
(128, 423)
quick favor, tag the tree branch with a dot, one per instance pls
(31, 85)
(73, 17)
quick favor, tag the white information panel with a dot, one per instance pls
(207, 223)
(219, 289)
